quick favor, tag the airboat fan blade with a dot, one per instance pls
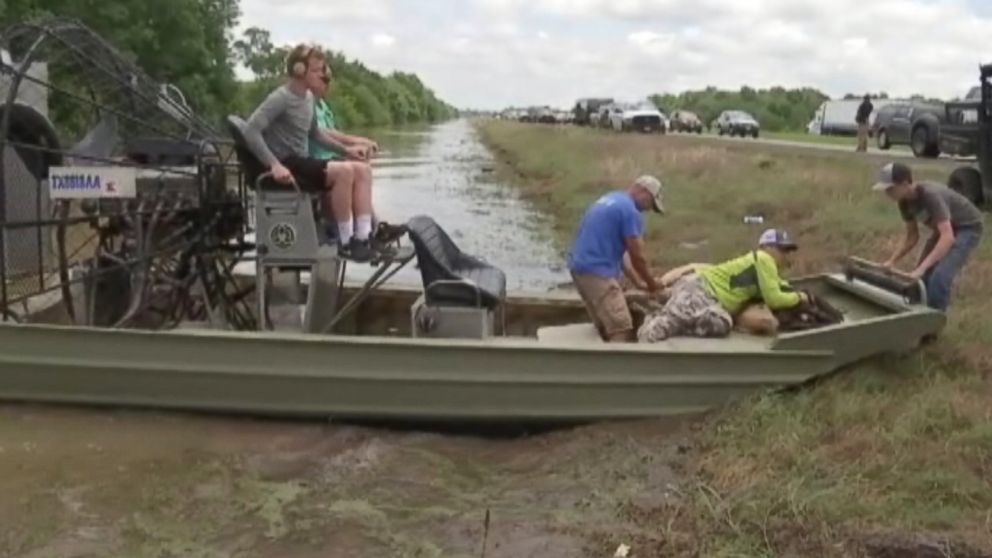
(114, 196)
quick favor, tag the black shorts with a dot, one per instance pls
(308, 172)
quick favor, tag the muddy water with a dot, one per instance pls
(109, 483)
(79, 483)
(445, 172)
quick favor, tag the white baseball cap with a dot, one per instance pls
(653, 185)
(892, 174)
(777, 238)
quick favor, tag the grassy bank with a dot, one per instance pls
(810, 138)
(851, 141)
(896, 448)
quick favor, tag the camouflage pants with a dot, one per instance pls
(690, 311)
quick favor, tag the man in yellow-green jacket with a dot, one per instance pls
(704, 302)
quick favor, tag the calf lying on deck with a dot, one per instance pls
(706, 299)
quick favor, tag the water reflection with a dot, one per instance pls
(444, 172)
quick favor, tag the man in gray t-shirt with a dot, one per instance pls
(955, 222)
(279, 133)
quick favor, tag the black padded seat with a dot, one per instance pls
(252, 167)
(449, 275)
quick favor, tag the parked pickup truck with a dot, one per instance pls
(641, 117)
(913, 123)
(960, 131)
(586, 110)
(974, 181)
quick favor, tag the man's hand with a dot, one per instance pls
(654, 288)
(357, 152)
(917, 273)
(281, 174)
(372, 147)
(889, 265)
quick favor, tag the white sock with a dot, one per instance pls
(344, 231)
(363, 227)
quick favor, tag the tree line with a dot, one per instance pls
(777, 108)
(359, 96)
(190, 44)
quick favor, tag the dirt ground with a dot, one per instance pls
(79, 483)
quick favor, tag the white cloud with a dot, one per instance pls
(328, 12)
(490, 53)
(384, 40)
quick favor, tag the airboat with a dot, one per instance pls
(124, 218)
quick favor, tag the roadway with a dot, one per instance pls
(896, 153)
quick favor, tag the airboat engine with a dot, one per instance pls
(115, 199)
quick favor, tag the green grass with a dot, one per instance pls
(900, 445)
(810, 138)
(803, 137)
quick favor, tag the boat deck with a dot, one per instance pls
(584, 334)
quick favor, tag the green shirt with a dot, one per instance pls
(751, 277)
(325, 120)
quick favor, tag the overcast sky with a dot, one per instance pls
(495, 53)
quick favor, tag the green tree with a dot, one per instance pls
(371, 107)
(182, 42)
(256, 51)
(189, 44)
(360, 97)
(776, 108)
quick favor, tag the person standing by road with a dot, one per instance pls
(611, 227)
(864, 113)
(956, 223)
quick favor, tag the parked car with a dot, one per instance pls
(686, 121)
(883, 122)
(642, 117)
(605, 114)
(586, 110)
(911, 123)
(546, 116)
(736, 123)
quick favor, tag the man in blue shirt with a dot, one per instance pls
(611, 227)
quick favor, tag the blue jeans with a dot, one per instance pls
(940, 278)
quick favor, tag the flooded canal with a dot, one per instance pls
(112, 483)
(445, 172)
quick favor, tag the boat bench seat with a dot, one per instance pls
(450, 276)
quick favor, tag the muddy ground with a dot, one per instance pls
(85, 483)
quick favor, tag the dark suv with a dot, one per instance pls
(912, 123)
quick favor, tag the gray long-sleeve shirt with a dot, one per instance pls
(282, 126)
